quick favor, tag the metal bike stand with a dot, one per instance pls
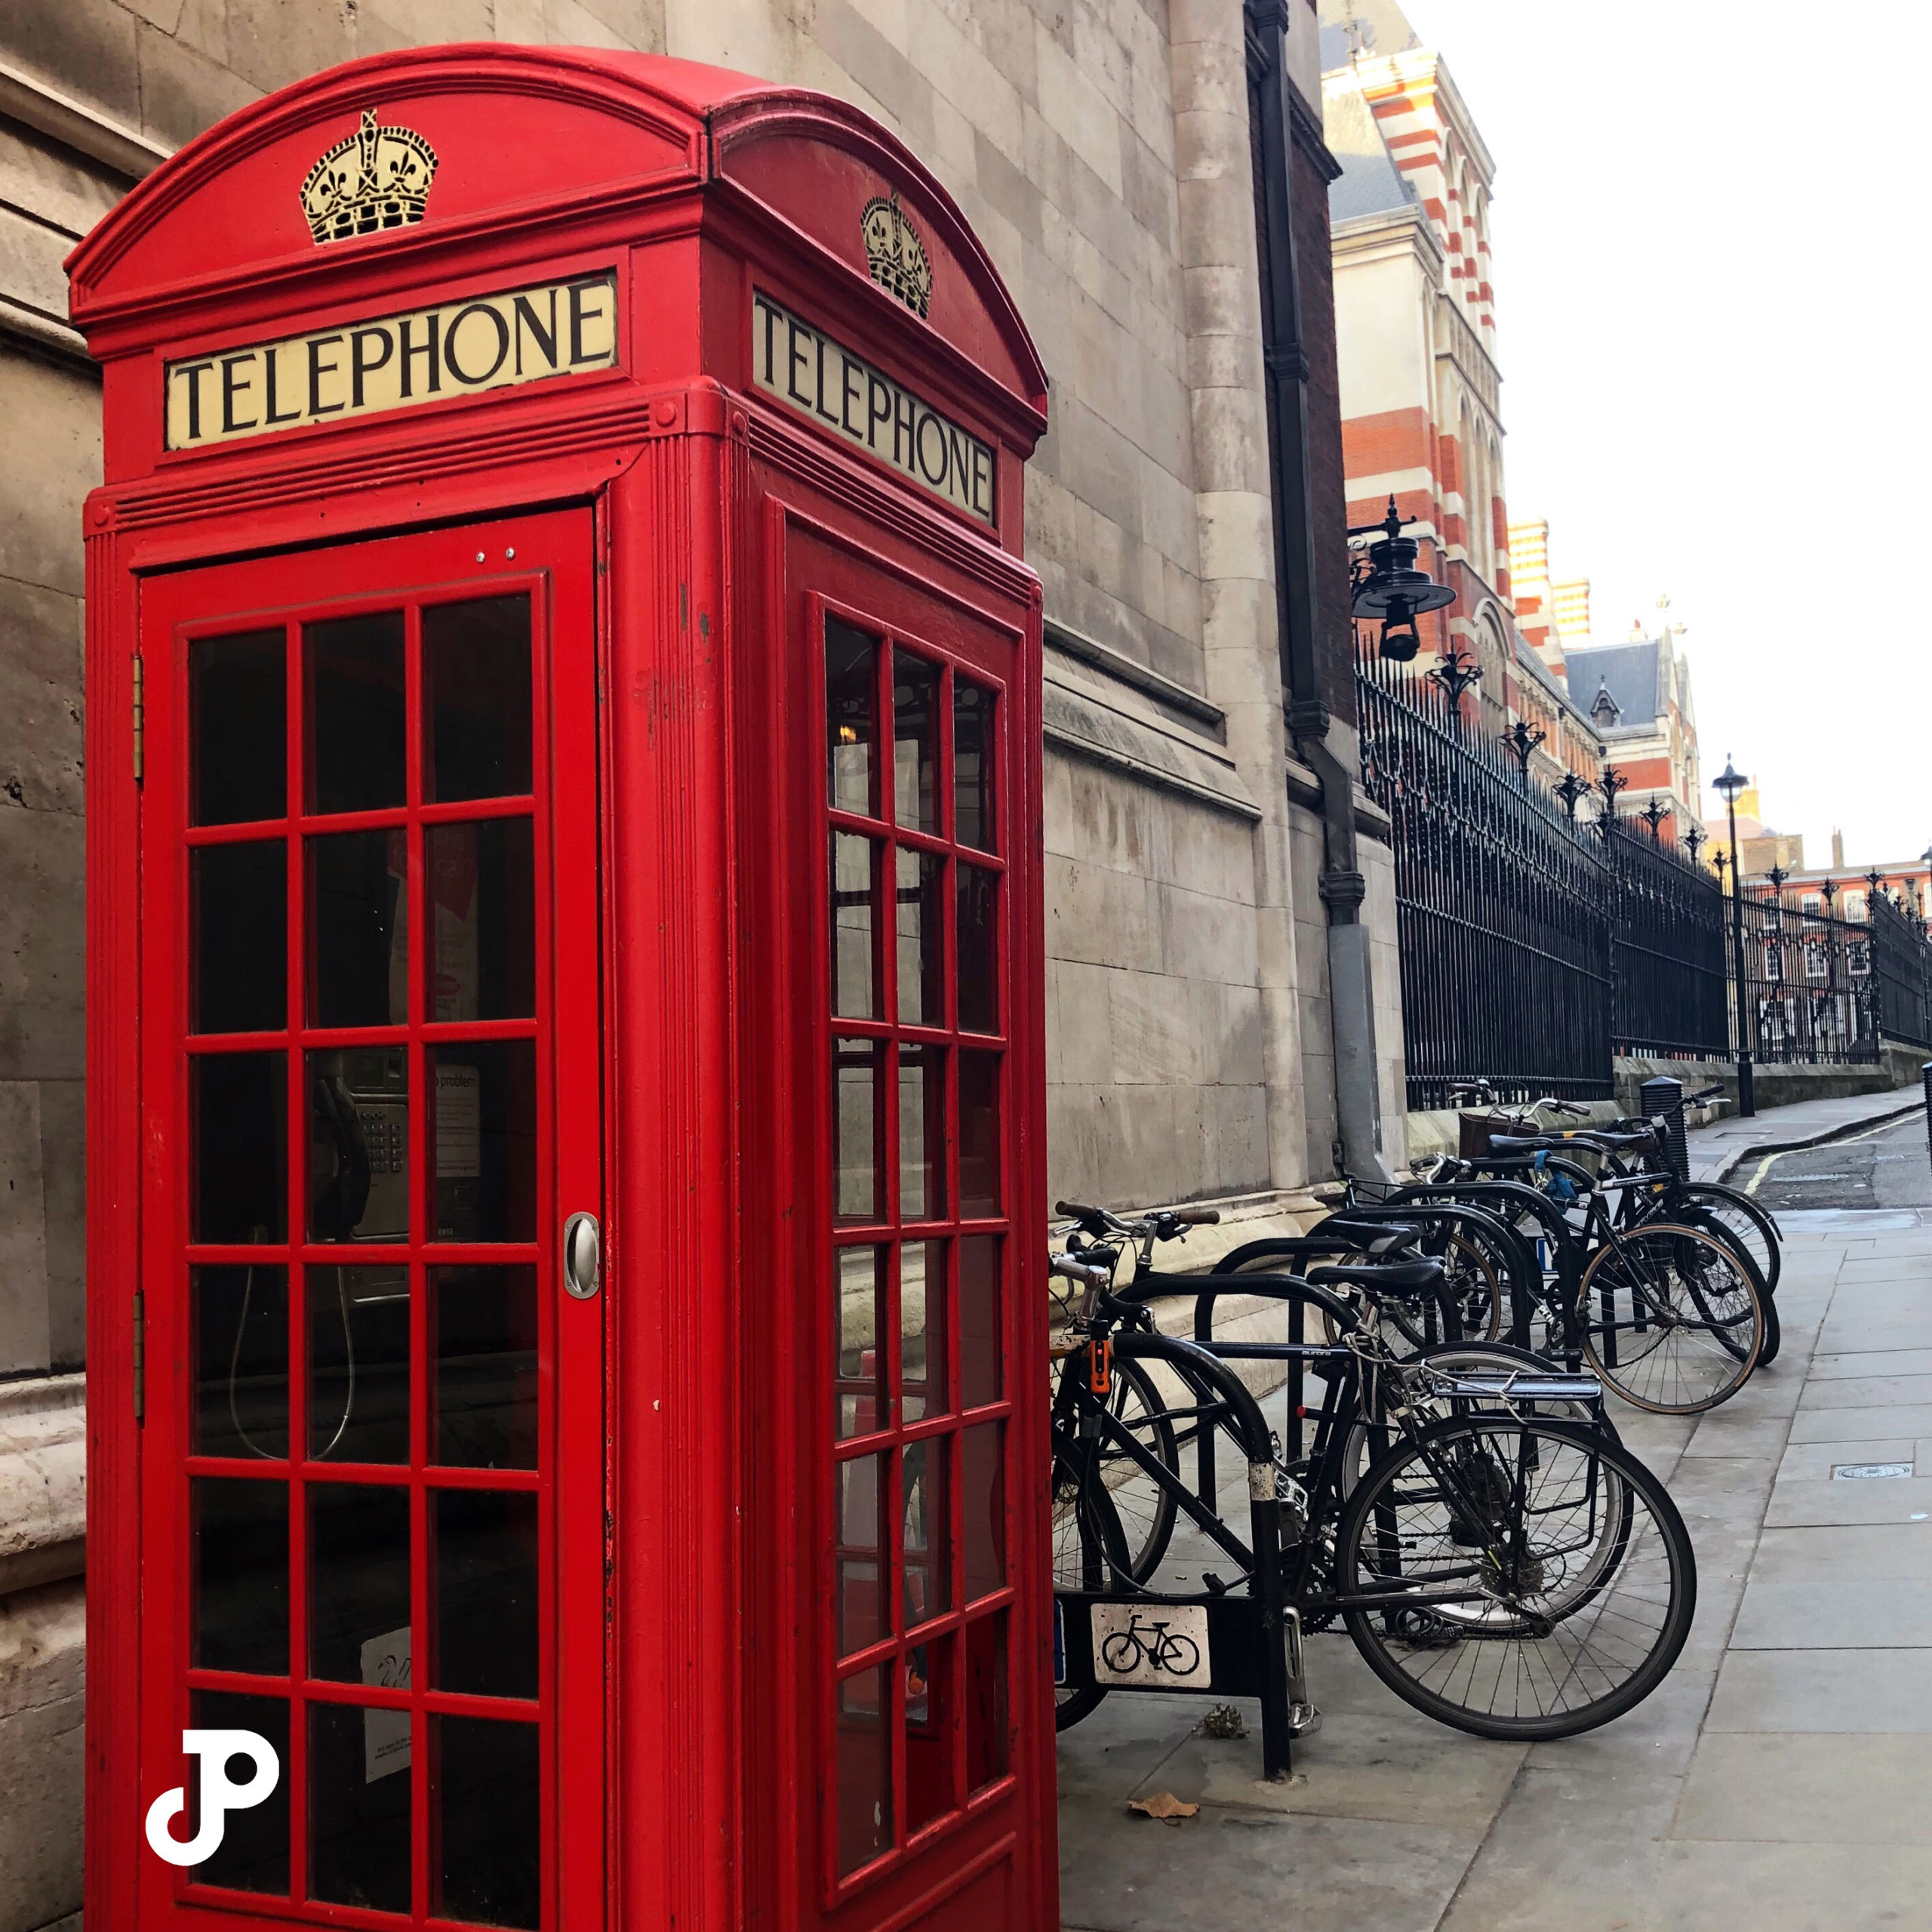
(1244, 1645)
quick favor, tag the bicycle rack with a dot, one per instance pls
(1249, 1643)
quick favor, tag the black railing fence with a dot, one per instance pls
(1534, 949)
(1668, 915)
(1903, 961)
(1807, 983)
(1500, 907)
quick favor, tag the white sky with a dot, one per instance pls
(1711, 284)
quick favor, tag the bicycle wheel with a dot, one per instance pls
(1669, 1319)
(1741, 1217)
(1122, 1652)
(1709, 1224)
(1554, 1579)
(1475, 1283)
(1180, 1657)
(1097, 1558)
(1143, 1511)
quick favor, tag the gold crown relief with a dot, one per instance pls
(897, 255)
(378, 178)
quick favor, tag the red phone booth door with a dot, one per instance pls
(372, 1486)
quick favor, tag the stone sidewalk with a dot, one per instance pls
(1719, 1152)
(1781, 1779)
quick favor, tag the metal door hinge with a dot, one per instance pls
(141, 719)
(140, 1358)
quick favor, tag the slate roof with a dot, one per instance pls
(1370, 182)
(1634, 673)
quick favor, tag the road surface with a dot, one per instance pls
(1884, 1167)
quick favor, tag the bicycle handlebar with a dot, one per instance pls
(1710, 1092)
(1089, 1275)
(1195, 1217)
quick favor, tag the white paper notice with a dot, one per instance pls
(459, 1122)
(386, 1733)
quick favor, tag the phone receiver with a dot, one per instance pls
(342, 1200)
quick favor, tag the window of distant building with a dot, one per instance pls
(1811, 903)
(1854, 905)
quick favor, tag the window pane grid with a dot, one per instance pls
(913, 793)
(300, 1474)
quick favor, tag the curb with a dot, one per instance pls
(1843, 1131)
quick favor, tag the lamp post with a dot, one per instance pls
(1731, 782)
(1386, 584)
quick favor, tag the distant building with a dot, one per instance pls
(1638, 695)
(1415, 330)
(1843, 888)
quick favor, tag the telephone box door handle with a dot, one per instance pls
(583, 1256)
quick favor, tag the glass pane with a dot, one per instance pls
(484, 1584)
(978, 963)
(359, 1365)
(359, 929)
(241, 1575)
(359, 1584)
(922, 1133)
(973, 765)
(241, 1360)
(978, 1136)
(859, 1613)
(359, 1795)
(482, 920)
(981, 1352)
(238, 713)
(921, 1329)
(930, 1787)
(982, 1455)
(850, 691)
(483, 1328)
(860, 1370)
(921, 939)
(238, 924)
(489, 1801)
(927, 1548)
(253, 1855)
(864, 1770)
(915, 755)
(356, 736)
(857, 1124)
(239, 1105)
(358, 1144)
(483, 1139)
(989, 1727)
(854, 894)
(476, 698)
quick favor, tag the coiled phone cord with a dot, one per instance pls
(234, 1365)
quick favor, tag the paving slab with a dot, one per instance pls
(1859, 1425)
(1868, 1691)
(1817, 1460)
(1804, 1502)
(1868, 1391)
(1717, 1886)
(1884, 1615)
(1823, 1788)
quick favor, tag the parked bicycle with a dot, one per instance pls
(1497, 1558)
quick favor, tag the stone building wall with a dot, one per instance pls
(1100, 147)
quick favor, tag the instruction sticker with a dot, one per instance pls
(1159, 1646)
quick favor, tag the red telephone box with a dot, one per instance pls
(566, 1068)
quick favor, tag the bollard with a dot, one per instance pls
(1663, 1100)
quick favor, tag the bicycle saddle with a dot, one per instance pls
(1398, 1275)
(1597, 1137)
(1526, 1143)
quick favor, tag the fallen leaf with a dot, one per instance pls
(1164, 1805)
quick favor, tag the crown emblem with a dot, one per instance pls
(897, 255)
(378, 177)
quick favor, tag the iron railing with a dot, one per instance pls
(1809, 995)
(1502, 906)
(1672, 946)
(1903, 964)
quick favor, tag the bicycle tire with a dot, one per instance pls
(1146, 1512)
(1640, 1267)
(1704, 1218)
(1176, 1646)
(1103, 1547)
(1731, 1206)
(1111, 1652)
(1627, 1563)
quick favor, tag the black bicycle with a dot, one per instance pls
(1507, 1568)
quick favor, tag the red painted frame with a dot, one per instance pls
(709, 513)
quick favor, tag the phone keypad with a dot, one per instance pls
(386, 1134)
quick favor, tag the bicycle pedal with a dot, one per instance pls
(1304, 1720)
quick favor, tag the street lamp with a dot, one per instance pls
(1731, 782)
(1388, 585)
